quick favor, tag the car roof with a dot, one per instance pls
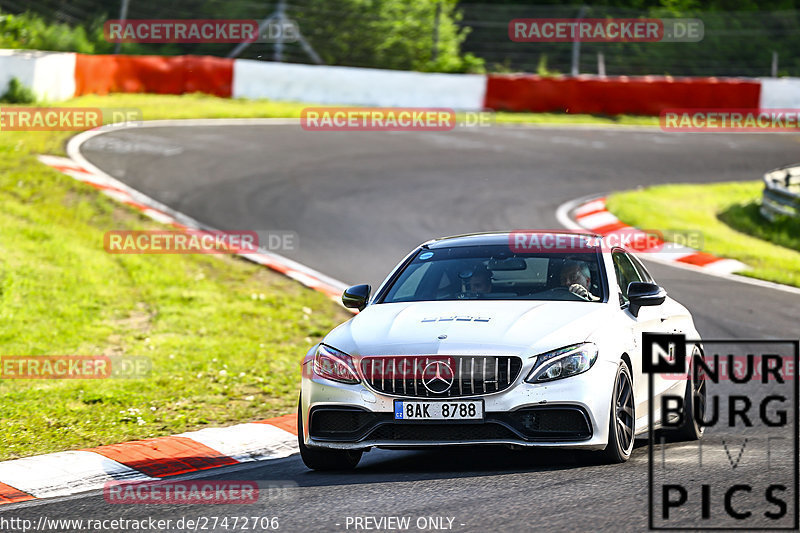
(490, 238)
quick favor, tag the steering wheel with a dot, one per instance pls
(560, 288)
(467, 295)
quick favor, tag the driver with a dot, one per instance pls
(575, 275)
(480, 281)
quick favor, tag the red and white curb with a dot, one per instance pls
(65, 473)
(593, 216)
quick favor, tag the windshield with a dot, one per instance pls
(495, 273)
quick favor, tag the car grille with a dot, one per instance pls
(468, 375)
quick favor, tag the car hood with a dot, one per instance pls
(467, 327)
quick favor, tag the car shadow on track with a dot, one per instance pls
(379, 466)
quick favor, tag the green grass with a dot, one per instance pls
(204, 106)
(726, 216)
(564, 119)
(225, 337)
(784, 231)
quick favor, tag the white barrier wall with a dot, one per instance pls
(356, 86)
(51, 75)
(780, 93)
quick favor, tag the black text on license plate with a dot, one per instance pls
(412, 410)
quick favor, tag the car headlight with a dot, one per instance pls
(332, 364)
(563, 363)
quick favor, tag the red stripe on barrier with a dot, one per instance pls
(645, 95)
(657, 247)
(137, 205)
(104, 187)
(699, 259)
(9, 494)
(68, 168)
(599, 210)
(608, 228)
(286, 423)
(104, 74)
(165, 456)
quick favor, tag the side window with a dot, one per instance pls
(645, 275)
(406, 289)
(626, 273)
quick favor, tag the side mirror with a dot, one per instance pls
(356, 296)
(641, 294)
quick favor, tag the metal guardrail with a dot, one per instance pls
(781, 193)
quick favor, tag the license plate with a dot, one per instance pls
(466, 410)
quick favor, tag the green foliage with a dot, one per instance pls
(17, 93)
(33, 32)
(393, 34)
(740, 35)
(683, 5)
(746, 217)
(541, 68)
(734, 44)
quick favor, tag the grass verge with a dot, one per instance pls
(204, 106)
(224, 336)
(726, 216)
(564, 119)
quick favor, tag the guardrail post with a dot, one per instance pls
(781, 197)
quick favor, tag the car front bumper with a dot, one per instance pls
(568, 413)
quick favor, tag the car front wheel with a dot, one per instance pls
(622, 421)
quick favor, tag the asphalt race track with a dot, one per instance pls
(359, 202)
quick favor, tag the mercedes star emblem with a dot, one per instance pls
(442, 378)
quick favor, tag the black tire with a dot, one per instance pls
(694, 399)
(322, 458)
(622, 423)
